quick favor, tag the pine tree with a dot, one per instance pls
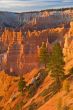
(21, 84)
(43, 54)
(56, 63)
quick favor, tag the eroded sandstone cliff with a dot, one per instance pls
(21, 49)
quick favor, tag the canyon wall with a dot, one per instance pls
(68, 48)
(36, 20)
(20, 52)
(68, 45)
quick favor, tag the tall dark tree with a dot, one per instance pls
(56, 63)
(21, 84)
(43, 55)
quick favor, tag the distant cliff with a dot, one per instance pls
(36, 20)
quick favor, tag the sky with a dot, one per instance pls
(33, 5)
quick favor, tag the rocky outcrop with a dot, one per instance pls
(68, 45)
(22, 48)
(36, 20)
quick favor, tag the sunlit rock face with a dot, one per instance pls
(35, 20)
(21, 49)
(11, 42)
(68, 45)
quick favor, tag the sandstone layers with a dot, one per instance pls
(20, 50)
